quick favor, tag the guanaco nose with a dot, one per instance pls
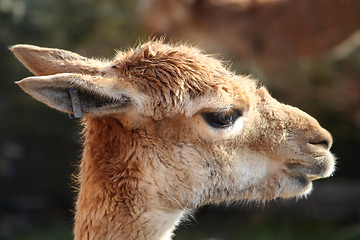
(322, 139)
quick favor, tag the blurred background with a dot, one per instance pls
(307, 52)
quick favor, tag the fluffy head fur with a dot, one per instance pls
(168, 129)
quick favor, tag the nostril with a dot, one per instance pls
(321, 139)
(323, 143)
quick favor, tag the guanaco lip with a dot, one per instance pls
(306, 171)
(313, 177)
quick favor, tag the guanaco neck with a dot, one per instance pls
(115, 200)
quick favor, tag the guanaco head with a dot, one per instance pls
(211, 135)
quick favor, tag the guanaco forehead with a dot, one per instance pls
(241, 96)
(184, 78)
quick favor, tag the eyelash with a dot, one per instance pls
(222, 119)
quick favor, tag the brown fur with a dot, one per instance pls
(149, 155)
(261, 30)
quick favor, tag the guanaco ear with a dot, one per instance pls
(82, 94)
(47, 61)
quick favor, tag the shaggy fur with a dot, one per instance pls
(161, 137)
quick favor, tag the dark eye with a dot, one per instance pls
(221, 119)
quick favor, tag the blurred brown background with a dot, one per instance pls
(307, 52)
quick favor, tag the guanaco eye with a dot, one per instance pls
(222, 119)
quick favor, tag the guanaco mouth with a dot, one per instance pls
(313, 177)
(307, 171)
